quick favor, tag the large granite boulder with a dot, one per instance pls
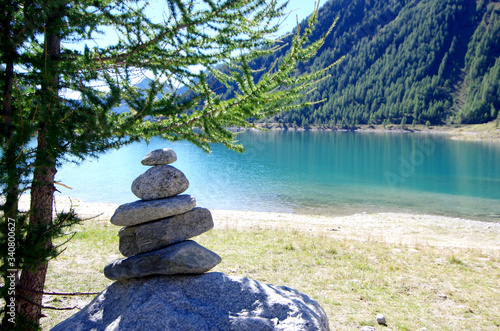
(212, 301)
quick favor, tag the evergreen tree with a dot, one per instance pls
(58, 101)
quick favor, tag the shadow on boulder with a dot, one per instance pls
(211, 301)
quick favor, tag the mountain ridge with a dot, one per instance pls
(420, 62)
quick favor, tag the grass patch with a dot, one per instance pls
(435, 288)
(454, 260)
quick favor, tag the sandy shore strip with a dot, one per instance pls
(94, 210)
(396, 228)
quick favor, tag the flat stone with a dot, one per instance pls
(142, 211)
(186, 257)
(159, 157)
(209, 302)
(154, 235)
(160, 182)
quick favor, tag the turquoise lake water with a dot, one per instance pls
(331, 173)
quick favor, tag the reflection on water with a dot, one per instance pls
(334, 173)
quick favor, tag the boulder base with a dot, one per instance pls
(212, 301)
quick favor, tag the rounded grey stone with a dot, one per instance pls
(159, 157)
(160, 182)
(208, 302)
(186, 257)
(154, 235)
(143, 211)
(381, 319)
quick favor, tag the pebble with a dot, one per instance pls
(381, 319)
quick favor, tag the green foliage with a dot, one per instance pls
(30, 239)
(434, 60)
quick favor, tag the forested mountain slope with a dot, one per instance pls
(435, 61)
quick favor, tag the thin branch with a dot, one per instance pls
(59, 293)
(162, 35)
(47, 307)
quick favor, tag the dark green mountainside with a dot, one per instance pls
(429, 61)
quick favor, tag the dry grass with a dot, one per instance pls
(414, 287)
(488, 131)
(436, 288)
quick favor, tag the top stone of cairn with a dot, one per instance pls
(160, 156)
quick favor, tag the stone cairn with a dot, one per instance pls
(154, 239)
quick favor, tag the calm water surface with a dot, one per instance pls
(333, 173)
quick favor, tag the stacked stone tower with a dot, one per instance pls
(155, 243)
(154, 239)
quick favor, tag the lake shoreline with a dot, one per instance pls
(394, 228)
(488, 132)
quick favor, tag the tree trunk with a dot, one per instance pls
(32, 282)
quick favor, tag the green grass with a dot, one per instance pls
(414, 287)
